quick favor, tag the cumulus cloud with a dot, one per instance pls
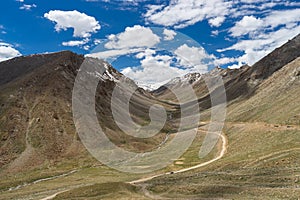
(252, 25)
(193, 57)
(247, 8)
(223, 61)
(7, 51)
(155, 69)
(246, 25)
(217, 21)
(182, 13)
(133, 40)
(169, 34)
(284, 17)
(82, 24)
(263, 35)
(132, 37)
(256, 48)
(254, 28)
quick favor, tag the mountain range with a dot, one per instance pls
(39, 141)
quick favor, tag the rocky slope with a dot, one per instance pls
(36, 124)
(263, 132)
(37, 131)
(239, 83)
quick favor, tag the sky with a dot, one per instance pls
(151, 41)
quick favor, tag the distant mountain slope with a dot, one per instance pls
(239, 83)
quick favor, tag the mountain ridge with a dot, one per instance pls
(38, 138)
(242, 82)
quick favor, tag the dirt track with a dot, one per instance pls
(222, 152)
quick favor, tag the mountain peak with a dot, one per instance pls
(23, 65)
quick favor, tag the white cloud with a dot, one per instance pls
(182, 13)
(132, 37)
(296, 4)
(169, 34)
(215, 33)
(256, 7)
(154, 71)
(114, 53)
(253, 25)
(82, 24)
(27, 6)
(7, 51)
(86, 47)
(264, 34)
(192, 57)
(284, 17)
(235, 66)
(74, 43)
(155, 68)
(98, 41)
(133, 40)
(120, 2)
(258, 47)
(258, 27)
(224, 61)
(246, 25)
(217, 21)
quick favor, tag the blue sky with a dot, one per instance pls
(227, 33)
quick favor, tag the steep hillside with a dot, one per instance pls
(263, 132)
(276, 59)
(42, 156)
(35, 109)
(36, 124)
(276, 100)
(239, 83)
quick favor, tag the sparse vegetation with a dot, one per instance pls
(41, 153)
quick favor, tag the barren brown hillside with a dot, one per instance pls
(257, 156)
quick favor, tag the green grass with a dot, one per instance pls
(101, 191)
(243, 173)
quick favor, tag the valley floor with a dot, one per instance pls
(244, 167)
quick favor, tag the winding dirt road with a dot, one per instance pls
(54, 195)
(222, 153)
